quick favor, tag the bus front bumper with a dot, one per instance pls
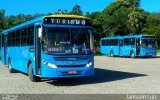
(148, 53)
(48, 72)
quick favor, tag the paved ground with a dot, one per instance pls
(112, 75)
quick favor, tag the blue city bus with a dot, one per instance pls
(133, 46)
(55, 46)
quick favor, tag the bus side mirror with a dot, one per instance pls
(39, 32)
(156, 45)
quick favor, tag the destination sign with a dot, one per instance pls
(67, 21)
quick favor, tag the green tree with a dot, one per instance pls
(118, 18)
(117, 23)
(2, 13)
(152, 26)
(11, 21)
(136, 21)
(76, 10)
(115, 18)
(131, 3)
(96, 18)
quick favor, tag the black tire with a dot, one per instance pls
(11, 70)
(132, 55)
(111, 54)
(31, 75)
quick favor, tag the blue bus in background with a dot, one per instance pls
(133, 46)
(55, 46)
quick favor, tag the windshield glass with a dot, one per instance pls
(148, 43)
(67, 40)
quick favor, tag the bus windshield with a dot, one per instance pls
(67, 40)
(149, 43)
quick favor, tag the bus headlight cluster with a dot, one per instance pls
(49, 64)
(89, 64)
(143, 51)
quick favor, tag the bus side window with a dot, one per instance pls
(132, 41)
(121, 43)
(103, 42)
(23, 36)
(18, 38)
(107, 42)
(9, 39)
(111, 42)
(127, 41)
(30, 36)
(115, 42)
(2, 40)
(13, 38)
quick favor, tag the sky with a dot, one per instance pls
(15, 7)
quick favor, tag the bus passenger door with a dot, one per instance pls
(137, 46)
(4, 53)
(37, 50)
(121, 47)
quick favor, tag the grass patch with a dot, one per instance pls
(98, 54)
(158, 51)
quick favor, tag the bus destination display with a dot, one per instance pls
(67, 21)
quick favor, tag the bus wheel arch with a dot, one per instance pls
(111, 53)
(31, 75)
(132, 54)
(29, 62)
(11, 70)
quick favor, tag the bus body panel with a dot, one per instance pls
(64, 72)
(105, 50)
(128, 49)
(148, 52)
(65, 64)
(125, 47)
(2, 55)
(115, 50)
(20, 56)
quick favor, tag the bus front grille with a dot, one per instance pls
(66, 73)
(70, 58)
(71, 66)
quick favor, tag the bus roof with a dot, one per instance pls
(67, 16)
(129, 36)
(40, 19)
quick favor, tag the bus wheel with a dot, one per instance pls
(31, 75)
(132, 55)
(111, 54)
(11, 70)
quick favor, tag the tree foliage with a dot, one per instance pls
(2, 13)
(136, 21)
(152, 26)
(11, 21)
(76, 10)
(116, 24)
(122, 17)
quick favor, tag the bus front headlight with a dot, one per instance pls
(89, 64)
(49, 64)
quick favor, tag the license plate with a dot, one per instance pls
(72, 72)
